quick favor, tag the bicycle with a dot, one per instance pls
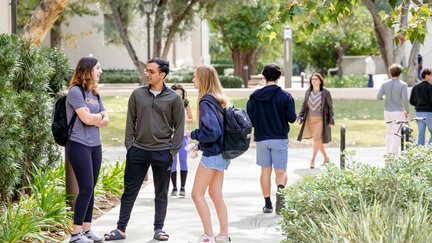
(405, 131)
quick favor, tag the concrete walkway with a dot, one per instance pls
(247, 224)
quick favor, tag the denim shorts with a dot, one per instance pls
(216, 162)
(272, 152)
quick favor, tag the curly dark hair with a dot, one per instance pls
(184, 96)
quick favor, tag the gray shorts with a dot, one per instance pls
(216, 162)
(272, 152)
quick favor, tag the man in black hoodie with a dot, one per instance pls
(270, 110)
(421, 99)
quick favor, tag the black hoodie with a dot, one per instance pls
(270, 109)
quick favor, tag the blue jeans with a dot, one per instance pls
(370, 81)
(422, 127)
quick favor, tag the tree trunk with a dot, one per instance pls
(241, 60)
(43, 19)
(175, 25)
(56, 34)
(253, 61)
(383, 34)
(140, 66)
(158, 28)
(411, 78)
(339, 62)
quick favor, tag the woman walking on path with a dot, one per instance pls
(396, 106)
(210, 172)
(84, 149)
(182, 155)
(316, 117)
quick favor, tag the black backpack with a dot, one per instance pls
(60, 128)
(237, 129)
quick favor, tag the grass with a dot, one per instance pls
(363, 119)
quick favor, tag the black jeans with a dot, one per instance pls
(137, 165)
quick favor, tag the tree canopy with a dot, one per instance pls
(319, 12)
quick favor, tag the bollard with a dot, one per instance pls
(403, 131)
(342, 148)
(302, 78)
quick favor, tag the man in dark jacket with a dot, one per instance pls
(421, 99)
(270, 110)
(154, 134)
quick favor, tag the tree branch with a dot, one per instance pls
(43, 19)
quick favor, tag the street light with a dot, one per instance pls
(148, 9)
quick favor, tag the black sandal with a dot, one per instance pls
(114, 235)
(160, 235)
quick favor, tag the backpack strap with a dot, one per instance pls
(74, 116)
(212, 100)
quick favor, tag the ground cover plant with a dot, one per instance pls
(363, 203)
(42, 215)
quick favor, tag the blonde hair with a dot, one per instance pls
(209, 84)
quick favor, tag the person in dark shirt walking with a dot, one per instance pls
(421, 99)
(154, 134)
(270, 110)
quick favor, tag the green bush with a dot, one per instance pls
(404, 180)
(119, 76)
(111, 180)
(346, 81)
(221, 67)
(63, 72)
(231, 81)
(25, 114)
(180, 77)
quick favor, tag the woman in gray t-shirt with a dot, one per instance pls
(84, 149)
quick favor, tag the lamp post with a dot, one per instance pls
(148, 9)
(13, 4)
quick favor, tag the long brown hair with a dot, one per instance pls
(320, 77)
(209, 84)
(83, 74)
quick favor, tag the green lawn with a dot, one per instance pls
(363, 120)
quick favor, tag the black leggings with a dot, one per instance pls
(86, 163)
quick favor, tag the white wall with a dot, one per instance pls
(5, 17)
(426, 48)
(356, 65)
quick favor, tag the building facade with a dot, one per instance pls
(88, 35)
(5, 17)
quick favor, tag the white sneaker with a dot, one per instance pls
(204, 239)
(79, 238)
(91, 236)
(222, 239)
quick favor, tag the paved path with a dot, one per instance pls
(247, 224)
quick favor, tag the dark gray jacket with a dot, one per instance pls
(155, 123)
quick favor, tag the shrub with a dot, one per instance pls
(180, 77)
(111, 179)
(231, 81)
(346, 81)
(313, 200)
(63, 72)
(221, 67)
(119, 76)
(20, 223)
(25, 114)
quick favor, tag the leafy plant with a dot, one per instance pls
(111, 179)
(20, 223)
(25, 114)
(48, 189)
(405, 179)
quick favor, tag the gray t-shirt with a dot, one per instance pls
(82, 133)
